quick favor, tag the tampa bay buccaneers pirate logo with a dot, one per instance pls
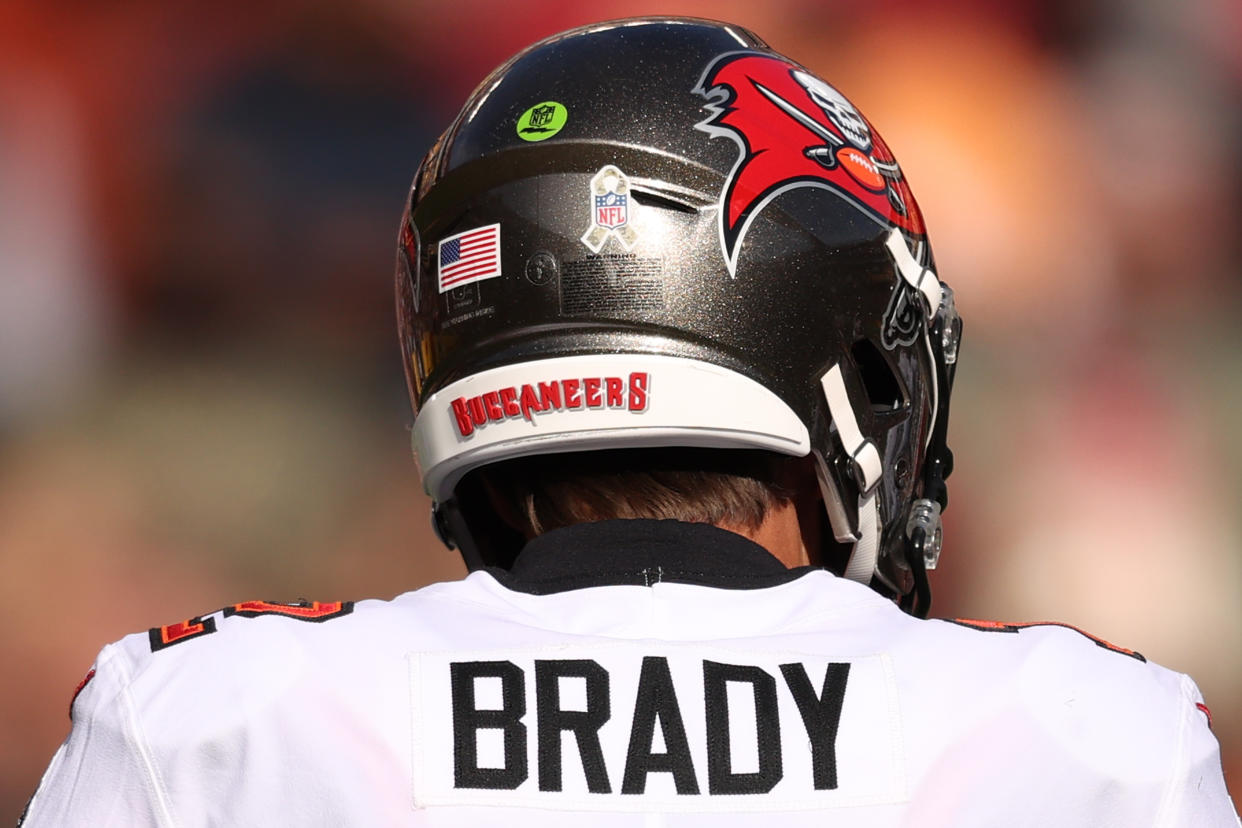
(794, 130)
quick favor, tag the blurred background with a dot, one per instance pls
(201, 399)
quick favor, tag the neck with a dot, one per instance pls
(780, 534)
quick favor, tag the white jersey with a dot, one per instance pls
(683, 681)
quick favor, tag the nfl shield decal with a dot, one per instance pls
(610, 210)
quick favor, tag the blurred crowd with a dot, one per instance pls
(201, 398)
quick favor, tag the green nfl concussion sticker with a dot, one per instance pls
(543, 120)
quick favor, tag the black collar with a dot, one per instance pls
(642, 552)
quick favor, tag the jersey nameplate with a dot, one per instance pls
(628, 727)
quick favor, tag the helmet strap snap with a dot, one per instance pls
(867, 468)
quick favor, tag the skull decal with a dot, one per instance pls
(794, 130)
(836, 107)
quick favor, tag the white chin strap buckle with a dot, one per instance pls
(864, 457)
(868, 469)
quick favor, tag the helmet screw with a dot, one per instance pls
(541, 268)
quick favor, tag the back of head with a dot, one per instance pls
(734, 489)
(657, 234)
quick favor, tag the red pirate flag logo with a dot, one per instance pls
(794, 130)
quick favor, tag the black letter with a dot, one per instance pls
(657, 699)
(584, 724)
(820, 716)
(468, 720)
(720, 776)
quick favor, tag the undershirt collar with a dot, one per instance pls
(643, 553)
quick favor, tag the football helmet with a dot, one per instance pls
(660, 232)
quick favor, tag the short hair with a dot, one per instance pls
(731, 488)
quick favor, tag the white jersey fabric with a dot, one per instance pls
(629, 673)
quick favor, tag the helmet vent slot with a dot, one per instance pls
(882, 386)
(662, 201)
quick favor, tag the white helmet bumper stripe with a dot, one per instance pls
(606, 401)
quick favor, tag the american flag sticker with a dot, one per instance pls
(468, 257)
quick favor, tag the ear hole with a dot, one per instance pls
(883, 389)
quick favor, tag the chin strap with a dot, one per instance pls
(922, 279)
(925, 281)
(923, 540)
(942, 330)
(867, 468)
